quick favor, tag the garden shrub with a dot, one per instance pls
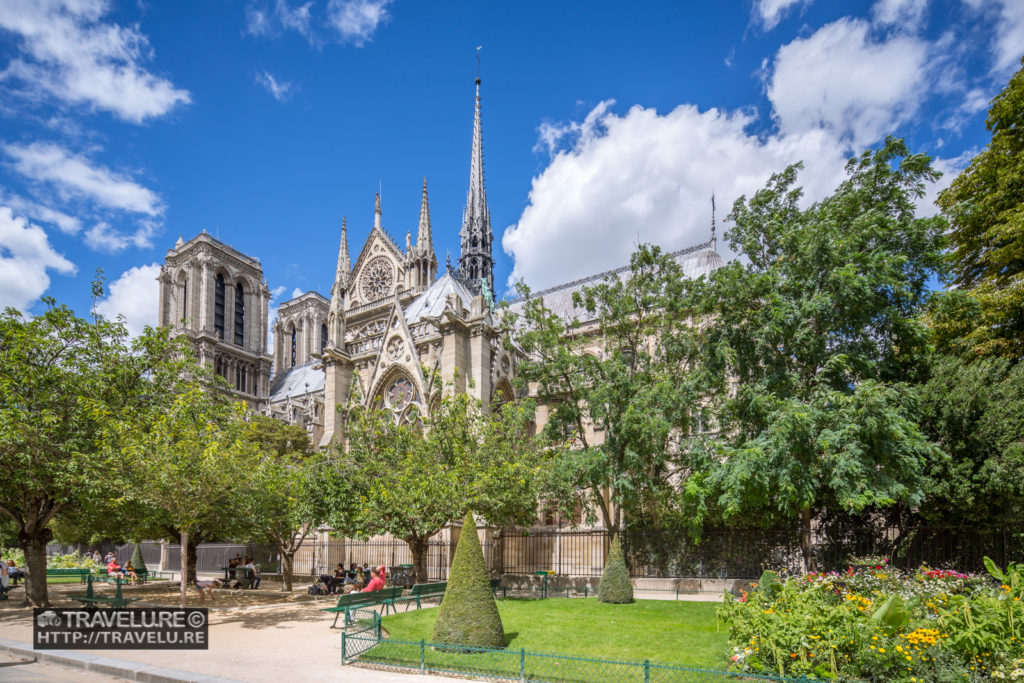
(615, 587)
(469, 612)
(769, 582)
(883, 625)
(138, 562)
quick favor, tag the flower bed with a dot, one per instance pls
(882, 624)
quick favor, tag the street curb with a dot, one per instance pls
(122, 668)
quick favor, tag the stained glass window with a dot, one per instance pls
(400, 393)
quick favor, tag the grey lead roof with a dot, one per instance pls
(695, 261)
(297, 382)
(431, 303)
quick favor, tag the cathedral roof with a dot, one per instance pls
(695, 261)
(297, 381)
(431, 303)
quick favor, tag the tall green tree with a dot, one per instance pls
(188, 464)
(411, 480)
(63, 380)
(617, 392)
(283, 500)
(812, 340)
(985, 207)
(974, 409)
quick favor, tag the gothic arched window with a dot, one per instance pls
(293, 347)
(400, 394)
(239, 315)
(323, 337)
(218, 306)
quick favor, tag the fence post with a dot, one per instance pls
(423, 649)
(343, 648)
(647, 671)
(522, 664)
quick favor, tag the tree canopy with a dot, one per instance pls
(985, 208)
(809, 344)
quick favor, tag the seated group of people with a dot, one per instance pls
(117, 571)
(356, 578)
(249, 568)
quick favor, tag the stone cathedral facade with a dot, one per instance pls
(392, 334)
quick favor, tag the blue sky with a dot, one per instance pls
(125, 124)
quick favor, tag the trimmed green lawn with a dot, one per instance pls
(663, 631)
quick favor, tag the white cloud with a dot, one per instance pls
(908, 14)
(75, 176)
(67, 52)
(134, 295)
(841, 79)
(266, 21)
(648, 177)
(1009, 44)
(281, 91)
(69, 225)
(102, 237)
(25, 258)
(770, 12)
(357, 20)
(297, 292)
(295, 19)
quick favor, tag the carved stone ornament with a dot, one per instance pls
(378, 278)
(506, 364)
(395, 348)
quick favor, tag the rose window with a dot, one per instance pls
(400, 394)
(378, 279)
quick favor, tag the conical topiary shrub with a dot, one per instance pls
(615, 586)
(469, 613)
(138, 564)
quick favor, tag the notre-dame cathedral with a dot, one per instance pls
(391, 334)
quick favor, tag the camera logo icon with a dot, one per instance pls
(48, 618)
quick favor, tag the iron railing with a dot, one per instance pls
(524, 665)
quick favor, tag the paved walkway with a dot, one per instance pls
(274, 643)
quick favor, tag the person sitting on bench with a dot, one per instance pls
(376, 582)
(14, 573)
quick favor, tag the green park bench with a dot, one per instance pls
(495, 585)
(103, 576)
(384, 597)
(421, 592)
(90, 599)
(83, 572)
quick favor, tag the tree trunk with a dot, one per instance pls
(184, 565)
(419, 546)
(34, 546)
(287, 563)
(805, 539)
(193, 557)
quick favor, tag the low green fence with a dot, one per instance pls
(521, 665)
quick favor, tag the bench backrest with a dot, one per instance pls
(353, 599)
(427, 588)
(495, 584)
(67, 572)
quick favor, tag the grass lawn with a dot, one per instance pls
(663, 631)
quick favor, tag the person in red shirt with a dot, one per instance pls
(376, 582)
(114, 569)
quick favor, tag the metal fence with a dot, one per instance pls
(524, 665)
(213, 557)
(323, 556)
(568, 553)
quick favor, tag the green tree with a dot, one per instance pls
(617, 391)
(975, 412)
(283, 500)
(985, 207)
(63, 380)
(187, 464)
(615, 586)
(469, 613)
(410, 480)
(811, 342)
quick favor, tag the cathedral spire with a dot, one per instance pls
(376, 213)
(475, 261)
(336, 312)
(714, 240)
(424, 239)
